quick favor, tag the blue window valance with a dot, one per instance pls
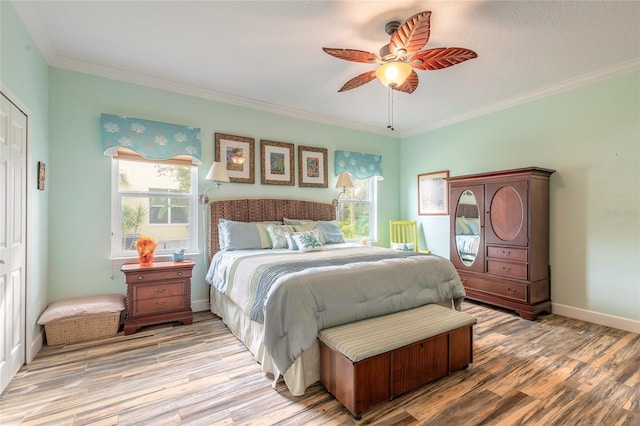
(359, 165)
(152, 140)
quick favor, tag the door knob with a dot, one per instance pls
(2, 261)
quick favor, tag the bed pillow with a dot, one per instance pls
(403, 246)
(292, 243)
(277, 234)
(242, 235)
(307, 241)
(330, 232)
(287, 221)
(474, 225)
(462, 228)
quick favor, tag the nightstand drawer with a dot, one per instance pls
(160, 304)
(507, 269)
(155, 290)
(145, 276)
(507, 253)
(503, 289)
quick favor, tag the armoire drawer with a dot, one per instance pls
(507, 269)
(498, 288)
(507, 253)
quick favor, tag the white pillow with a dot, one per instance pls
(277, 233)
(307, 241)
(403, 246)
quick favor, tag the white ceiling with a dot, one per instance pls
(267, 54)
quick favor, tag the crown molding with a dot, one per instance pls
(553, 89)
(172, 86)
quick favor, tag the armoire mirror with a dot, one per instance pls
(467, 228)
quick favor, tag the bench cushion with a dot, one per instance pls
(373, 336)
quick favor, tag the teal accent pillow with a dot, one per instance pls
(307, 241)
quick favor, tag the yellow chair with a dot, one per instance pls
(404, 232)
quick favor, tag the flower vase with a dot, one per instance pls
(146, 256)
(146, 259)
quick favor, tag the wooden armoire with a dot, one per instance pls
(500, 238)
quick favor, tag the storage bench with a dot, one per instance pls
(82, 318)
(377, 359)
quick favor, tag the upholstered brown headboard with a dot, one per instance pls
(259, 210)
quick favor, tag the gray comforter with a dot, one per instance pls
(298, 303)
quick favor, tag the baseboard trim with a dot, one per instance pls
(34, 347)
(200, 305)
(625, 324)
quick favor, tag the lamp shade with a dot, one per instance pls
(393, 74)
(218, 172)
(344, 181)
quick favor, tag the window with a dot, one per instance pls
(357, 210)
(169, 210)
(153, 198)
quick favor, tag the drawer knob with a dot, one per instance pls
(140, 277)
(506, 268)
(160, 303)
(160, 290)
(179, 274)
(511, 290)
(506, 252)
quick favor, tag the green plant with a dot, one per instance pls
(132, 218)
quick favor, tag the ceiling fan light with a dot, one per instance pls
(393, 74)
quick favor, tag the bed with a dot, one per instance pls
(275, 300)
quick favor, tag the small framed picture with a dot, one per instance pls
(41, 175)
(312, 167)
(433, 193)
(237, 153)
(277, 163)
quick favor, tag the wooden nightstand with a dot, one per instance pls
(158, 293)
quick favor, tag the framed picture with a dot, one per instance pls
(312, 167)
(41, 175)
(433, 193)
(277, 163)
(237, 153)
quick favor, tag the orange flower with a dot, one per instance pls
(145, 245)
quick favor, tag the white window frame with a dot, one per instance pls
(116, 216)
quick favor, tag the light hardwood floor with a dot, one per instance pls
(553, 371)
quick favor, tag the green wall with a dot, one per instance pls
(24, 77)
(591, 136)
(80, 214)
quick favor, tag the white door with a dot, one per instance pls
(13, 216)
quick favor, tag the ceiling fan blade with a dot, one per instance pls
(410, 84)
(358, 81)
(442, 57)
(353, 55)
(411, 36)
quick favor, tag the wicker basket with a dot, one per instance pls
(81, 329)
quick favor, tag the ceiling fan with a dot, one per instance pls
(402, 56)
